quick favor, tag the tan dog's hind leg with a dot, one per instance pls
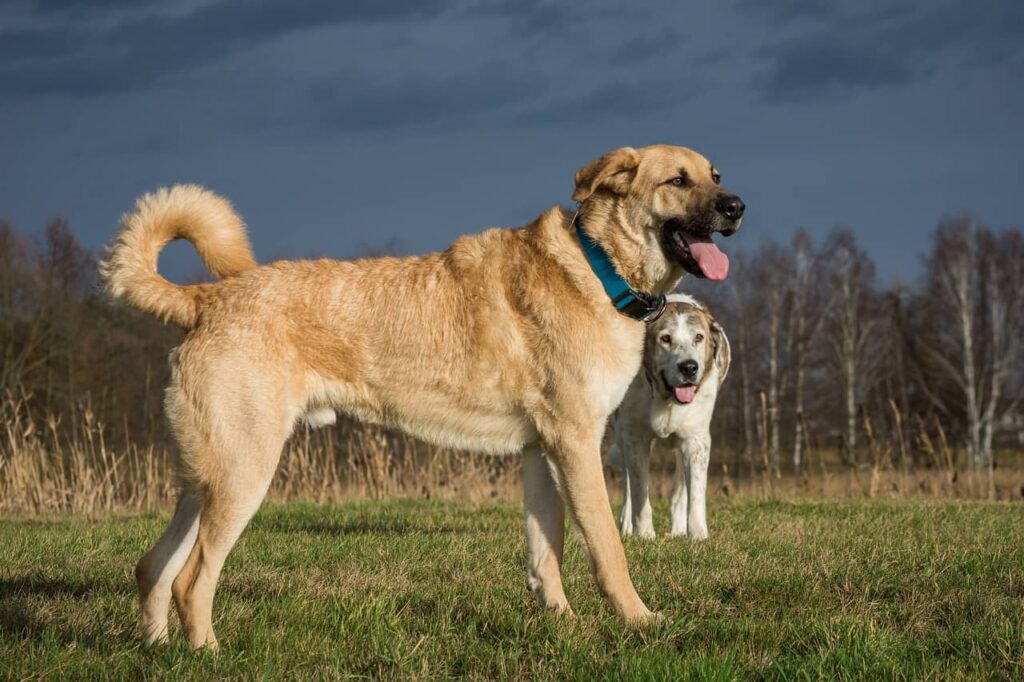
(225, 514)
(232, 456)
(156, 571)
(579, 467)
(545, 531)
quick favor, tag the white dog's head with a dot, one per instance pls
(685, 347)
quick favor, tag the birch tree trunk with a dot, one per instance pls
(851, 275)
(801, 284)
(774, 325)
(1003, 281)
(959, 259)
(748, 415)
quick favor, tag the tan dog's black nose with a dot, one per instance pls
(731, 206)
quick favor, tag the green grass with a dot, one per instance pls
(783, 590)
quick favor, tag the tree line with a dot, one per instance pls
(824, 354)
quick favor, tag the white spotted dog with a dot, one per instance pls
(669, 406)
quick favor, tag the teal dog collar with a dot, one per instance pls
(628, 301)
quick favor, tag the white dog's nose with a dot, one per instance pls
(688, 368)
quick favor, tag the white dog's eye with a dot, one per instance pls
(665, 339)
(698, 338)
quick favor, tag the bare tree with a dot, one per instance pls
(770, 298)
(1002, 284)
(22, 337)
(851, 273)
(976, 275)
(744, 350)
(807, 312)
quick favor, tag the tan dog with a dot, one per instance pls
(668, 407)
(507, 341)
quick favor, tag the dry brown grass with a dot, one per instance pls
(72, 467)
(49, 464)
(68, 465)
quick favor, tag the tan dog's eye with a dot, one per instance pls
(665, 339)
(698, 338)
(680, 181)
(716, 177)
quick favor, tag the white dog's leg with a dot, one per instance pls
(678, 501)
(545, 531)
(697, 455)
(636, 458)
(626, 513)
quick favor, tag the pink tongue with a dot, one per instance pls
(684, 394)
(712, 262)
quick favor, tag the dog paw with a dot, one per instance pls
(648, 618)
(659, 618)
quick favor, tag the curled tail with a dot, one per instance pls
(182, 212)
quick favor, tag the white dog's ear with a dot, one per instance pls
(723, 352)
(614, 172)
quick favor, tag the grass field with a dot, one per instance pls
(786, 590)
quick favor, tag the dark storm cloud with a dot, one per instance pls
(633, 99)
(825, 65)
(420, 101)
(282, 103)
(787, 10)
(82, 58)
(93, 7)
(643, 46)
(833, 50)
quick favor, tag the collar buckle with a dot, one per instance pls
(640, 306)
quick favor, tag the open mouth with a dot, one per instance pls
(681, 394)
(696, 253)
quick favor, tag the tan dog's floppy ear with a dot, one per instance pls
(614, 171)
(723, 352)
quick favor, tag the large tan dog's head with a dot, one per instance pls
(654, 210)
(685, 348)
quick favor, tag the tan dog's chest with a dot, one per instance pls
(619, 363)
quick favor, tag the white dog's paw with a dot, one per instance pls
(698, 533)
(646, 532)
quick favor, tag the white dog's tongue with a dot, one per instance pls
(711, 261)
(684, 394)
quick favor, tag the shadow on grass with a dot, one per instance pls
(33, 608)
(358, 527)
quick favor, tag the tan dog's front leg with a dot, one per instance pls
(545, 531)
(579, 468)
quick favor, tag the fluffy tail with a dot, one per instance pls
(182, 212)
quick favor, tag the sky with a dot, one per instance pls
(340, 128)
